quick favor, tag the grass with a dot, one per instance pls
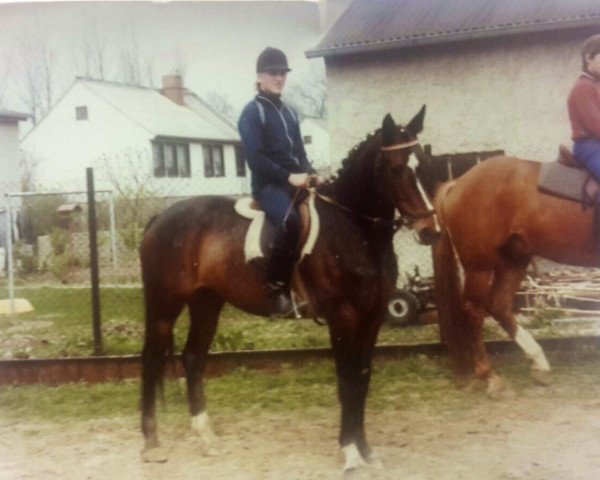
(61, 326)
(418, 383)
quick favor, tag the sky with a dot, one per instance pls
(213, 43)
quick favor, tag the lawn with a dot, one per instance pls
(61, 326)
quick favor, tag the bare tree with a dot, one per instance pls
(136, 69)
(90, 56)
(37, 76)
(221, 104)
(309, 95)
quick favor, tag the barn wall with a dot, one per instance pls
(490, 94)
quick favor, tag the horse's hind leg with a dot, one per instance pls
(507, 279)
(205, 308)
(161, 314)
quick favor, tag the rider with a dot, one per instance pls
(275, 154)
(584, 114)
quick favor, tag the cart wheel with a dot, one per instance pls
(402, 309)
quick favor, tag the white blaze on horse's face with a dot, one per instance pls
(408, 194)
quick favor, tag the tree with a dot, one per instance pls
(221, 104)
(309, 96)
(135, 68)
(37, 74)
(90, 57)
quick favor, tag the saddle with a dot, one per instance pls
(565, 178)
(260, 233)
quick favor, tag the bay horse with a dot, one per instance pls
(493, 221)
(192, 254)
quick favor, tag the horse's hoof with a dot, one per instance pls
(154, 455)
(374, 461)
(498, 389)
(354, 460)
(541, 377)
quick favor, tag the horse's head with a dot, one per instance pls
(402, 185)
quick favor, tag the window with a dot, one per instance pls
(307, 139)
(171, 159)
(214, 166)
(240, 162)
(81, 113)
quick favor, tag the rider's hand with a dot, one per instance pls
(298, 179)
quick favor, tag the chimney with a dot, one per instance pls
(173, 88)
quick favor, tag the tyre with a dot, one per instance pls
(402, 309)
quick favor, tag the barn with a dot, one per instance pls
(494, 75)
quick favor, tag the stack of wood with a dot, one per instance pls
(575, 291)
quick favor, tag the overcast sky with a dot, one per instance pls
(214, 43)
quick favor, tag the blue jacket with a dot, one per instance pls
(272, 142)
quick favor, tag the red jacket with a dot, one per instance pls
(584, 108)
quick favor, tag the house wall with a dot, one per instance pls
(64, 147)
(10, 179)
(119, 150)
(318, 150)
(488, 94)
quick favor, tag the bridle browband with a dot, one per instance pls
(400, 146)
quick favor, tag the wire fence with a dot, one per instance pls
(46, 266)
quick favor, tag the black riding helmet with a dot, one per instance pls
(272, 60)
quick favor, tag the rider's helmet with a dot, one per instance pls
(272, 60)
(590, 48)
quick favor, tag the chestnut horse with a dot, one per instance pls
(192, 254)
(494, 220)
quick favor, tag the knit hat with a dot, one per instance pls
(272, 60)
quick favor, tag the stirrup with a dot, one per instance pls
(280, 302)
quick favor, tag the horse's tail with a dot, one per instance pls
(454, 329)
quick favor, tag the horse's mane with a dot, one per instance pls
(355, 185)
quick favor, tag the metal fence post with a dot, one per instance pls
(94, 262)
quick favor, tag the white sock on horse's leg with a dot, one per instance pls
(201, 426)
(532, 349)
(353, 458)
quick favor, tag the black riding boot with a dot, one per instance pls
(279, 272)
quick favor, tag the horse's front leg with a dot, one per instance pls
(353, 344)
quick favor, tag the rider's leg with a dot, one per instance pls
(587, 154)
(277, 202)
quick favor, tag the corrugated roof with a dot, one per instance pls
(160, 116)
(369, 25)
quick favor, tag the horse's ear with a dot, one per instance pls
(389, 130)
(416, 124)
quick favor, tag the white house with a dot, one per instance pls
(10, 172)
(167, 140)
(10, 177)
(316, 143)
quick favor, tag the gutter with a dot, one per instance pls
(449, 37)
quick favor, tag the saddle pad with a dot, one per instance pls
(563, 181)
(253, 247)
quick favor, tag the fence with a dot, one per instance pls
(48, 265)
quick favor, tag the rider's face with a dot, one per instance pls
(272, 82)
(593, 64)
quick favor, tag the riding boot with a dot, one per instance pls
(279, 271)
